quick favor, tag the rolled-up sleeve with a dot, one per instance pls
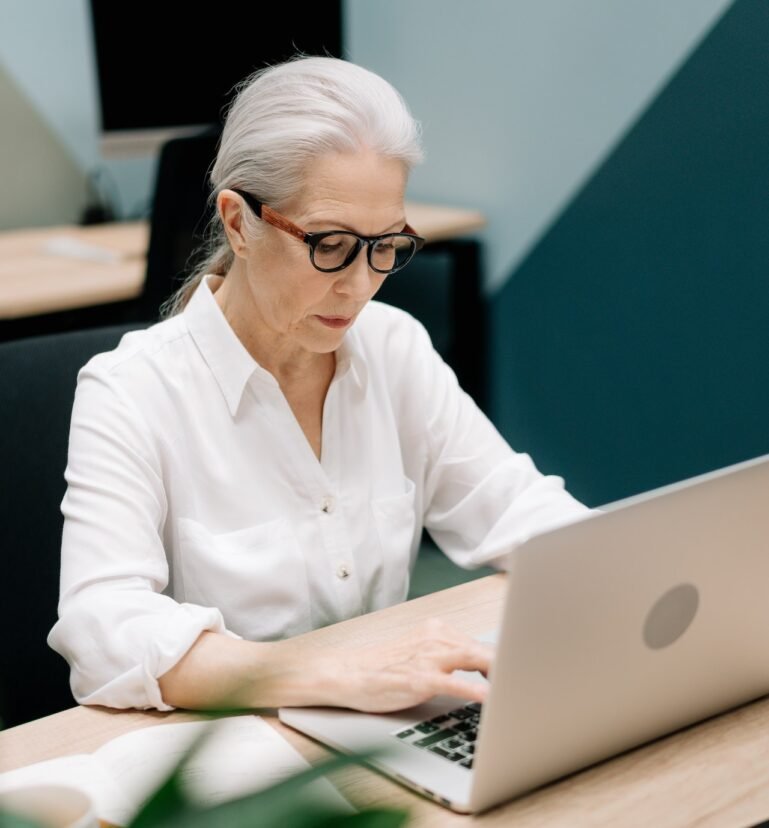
(482, 498)
(116, 628)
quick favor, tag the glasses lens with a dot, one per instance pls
(332, 251)
(392, 252)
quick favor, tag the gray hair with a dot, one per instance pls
(283, 117)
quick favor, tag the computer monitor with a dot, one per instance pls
(168, 72)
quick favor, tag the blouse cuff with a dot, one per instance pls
(507, 536)
(184, 627)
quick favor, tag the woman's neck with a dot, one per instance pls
(284, 359)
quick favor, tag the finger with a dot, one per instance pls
(474, 656)
(461, 688)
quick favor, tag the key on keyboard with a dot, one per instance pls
(451, 735)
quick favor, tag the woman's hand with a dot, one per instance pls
(219, 671)
(413, 669)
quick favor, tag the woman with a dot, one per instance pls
(262, 462)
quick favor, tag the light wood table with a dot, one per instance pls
(35, 280)
(713, 774)
(437, 223)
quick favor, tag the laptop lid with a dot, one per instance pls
(626, 626)
(616, 629)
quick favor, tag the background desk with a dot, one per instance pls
(713, 774)
(34, 281)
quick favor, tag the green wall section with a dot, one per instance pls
(630, 347)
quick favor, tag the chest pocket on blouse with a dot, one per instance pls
(395, 521)
(255, 576)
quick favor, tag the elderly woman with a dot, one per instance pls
(262, 462)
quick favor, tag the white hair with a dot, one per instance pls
(282, 118)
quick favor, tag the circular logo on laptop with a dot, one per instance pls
(671, 616)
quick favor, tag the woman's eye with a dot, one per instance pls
(329, 247)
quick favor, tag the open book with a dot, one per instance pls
(242, 754)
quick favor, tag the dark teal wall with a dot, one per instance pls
(631, 347)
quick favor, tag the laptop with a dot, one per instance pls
(617, 629)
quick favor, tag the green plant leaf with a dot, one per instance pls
(12, 821)
(167, 803)
(299, 813)
(371, 818)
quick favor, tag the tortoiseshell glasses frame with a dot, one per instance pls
(334, 250)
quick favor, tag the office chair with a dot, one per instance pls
(441, 287)
(36, 394)
(180, 214)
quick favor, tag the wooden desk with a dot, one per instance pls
(34, 282)
(713, 774)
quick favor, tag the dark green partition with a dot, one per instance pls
(631, 347)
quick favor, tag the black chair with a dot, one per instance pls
(180, 214)
(38, 384)
(441, 287)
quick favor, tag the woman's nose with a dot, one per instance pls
(358, 279)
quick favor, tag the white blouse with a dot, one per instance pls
(195, 502)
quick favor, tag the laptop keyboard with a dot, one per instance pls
(451, 735)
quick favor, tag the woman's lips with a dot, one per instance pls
(335, 321)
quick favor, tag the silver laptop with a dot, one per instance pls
(616, 629)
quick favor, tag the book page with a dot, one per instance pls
(241, 754)
(80, 771)
(245, 755)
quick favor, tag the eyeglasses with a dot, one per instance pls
(333, 250)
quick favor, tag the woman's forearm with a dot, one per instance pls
(221, 672)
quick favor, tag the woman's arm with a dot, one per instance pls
(221, 672)
(117, 628)
(481, 497)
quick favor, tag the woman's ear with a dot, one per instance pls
(230, 207)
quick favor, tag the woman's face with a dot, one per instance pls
(297, 304)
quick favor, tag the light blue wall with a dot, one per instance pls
(46, 47)
(521, 99)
